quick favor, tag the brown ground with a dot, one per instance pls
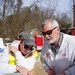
(39, 69)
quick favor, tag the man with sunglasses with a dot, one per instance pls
(58, 52)
(23, 52)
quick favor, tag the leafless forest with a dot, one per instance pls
(14, 18)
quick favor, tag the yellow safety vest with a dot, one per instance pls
(13, 59)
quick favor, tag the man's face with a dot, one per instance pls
(50, 33)
(25, 49)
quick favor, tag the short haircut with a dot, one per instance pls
(53, 21)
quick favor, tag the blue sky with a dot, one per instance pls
(63, 5)
(27, 2)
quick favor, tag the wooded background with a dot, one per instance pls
(14, 18)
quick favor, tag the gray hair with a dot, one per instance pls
(53, 21)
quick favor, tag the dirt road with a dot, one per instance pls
(38, 68)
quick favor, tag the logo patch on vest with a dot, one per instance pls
(47, 55)
(63, 55)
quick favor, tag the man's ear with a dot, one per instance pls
(58, 29)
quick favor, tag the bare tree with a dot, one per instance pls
(73, 13)
(18, 5)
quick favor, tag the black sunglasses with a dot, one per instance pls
(48, 32)
(27, 47)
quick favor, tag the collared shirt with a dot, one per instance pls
(56, 49)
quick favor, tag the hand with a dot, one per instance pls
(51, 71)
(22, 70)
(13, 49)
(62, 73)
